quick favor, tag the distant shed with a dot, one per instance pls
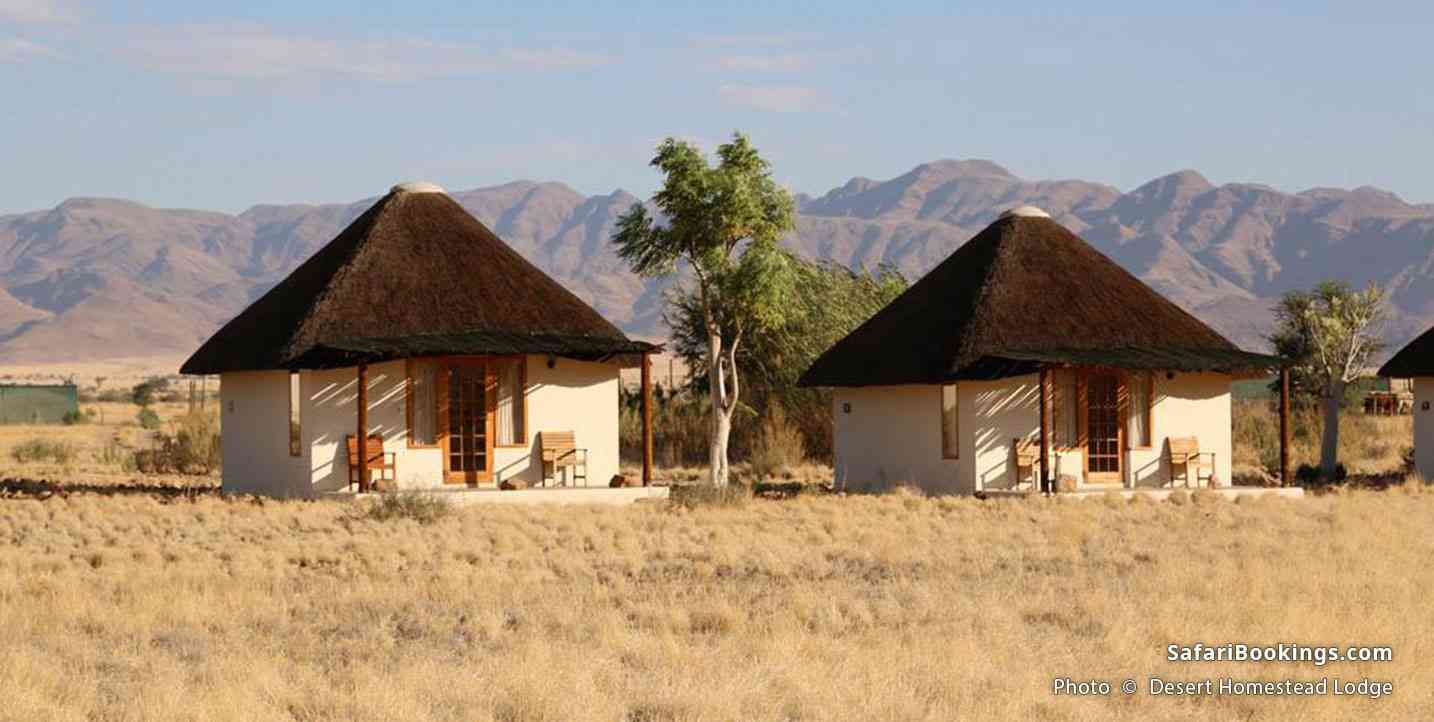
(38, 403)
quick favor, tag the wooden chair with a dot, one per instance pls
(1027, 456)
(560, 449)
(1187, 461)
(378, 459)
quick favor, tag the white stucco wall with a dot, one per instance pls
(893, 433)
(255, 435)
(1424, 426)
(993, 414)
(576, 396)
(1189, 405)
(892, 436)
(330, 415)
(572, 396)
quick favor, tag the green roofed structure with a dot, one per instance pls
(38, 403)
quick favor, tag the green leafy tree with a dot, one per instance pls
(723, 223)
(144, 392)
(147, 419)
(831, 300)
(1328, 335)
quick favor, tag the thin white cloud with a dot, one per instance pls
(784, 63)
(774, 98)
(36, 12)
(552, 58)
(748, 40)
(253, 52)
(15, 50)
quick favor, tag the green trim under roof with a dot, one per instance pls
(1150, 359)
(352, 351)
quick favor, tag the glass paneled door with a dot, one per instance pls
(466, 422)
(1104, 428)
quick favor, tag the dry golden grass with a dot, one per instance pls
(827, 608)
(111, 434)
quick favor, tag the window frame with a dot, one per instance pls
(1077, 389)
(295, 422)
(409, 366)
(1149, 408)
(492, 363)
(522, 363)
(946, 452)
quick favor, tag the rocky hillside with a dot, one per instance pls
(99, 278)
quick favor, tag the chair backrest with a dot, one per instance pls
(557, 440)
(375, 448)
(1184, 445)
(1025, 451)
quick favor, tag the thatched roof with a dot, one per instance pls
(1415, 359)
(1023, 294)
(414, 275)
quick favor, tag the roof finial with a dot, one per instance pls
(417, 187)
(1026, 211)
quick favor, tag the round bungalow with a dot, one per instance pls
(1416, 361)
(416, 329)
(1029, 360)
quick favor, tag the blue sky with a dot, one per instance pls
(185, 104)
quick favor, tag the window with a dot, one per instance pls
(512, 405)
(1138, 387)
(1065, 408)
(422, 403)
(296, 444)
(950, 438)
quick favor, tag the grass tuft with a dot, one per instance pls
(419, 506)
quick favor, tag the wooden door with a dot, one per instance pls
(1104, 428)
(465, 419)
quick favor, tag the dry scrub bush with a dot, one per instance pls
(43, 450)
(191, 447)
(1367, 444)
(419, 506)
(696, 495)
(778, 448)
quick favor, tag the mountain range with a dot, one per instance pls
(96, 278)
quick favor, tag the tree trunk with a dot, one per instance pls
(721, 416)
(721, 430)
(1329, 444)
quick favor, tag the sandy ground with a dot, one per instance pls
(116, 373)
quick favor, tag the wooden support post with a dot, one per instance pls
(646, 419)
(362, 437)
(1285, 426)
(1046, 486)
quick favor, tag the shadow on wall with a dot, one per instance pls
(335, 417)
(1004, 415)
(518, 465)
(1154, 473)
